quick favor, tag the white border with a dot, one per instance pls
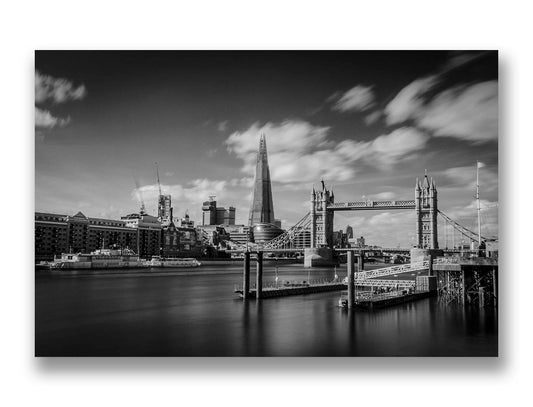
(264, 25)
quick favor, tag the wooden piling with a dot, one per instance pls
(259, 276)
(246, 276)
(351, 284)
(494, 288)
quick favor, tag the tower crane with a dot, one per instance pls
(158, 182)
(140, 196)
(160, 199)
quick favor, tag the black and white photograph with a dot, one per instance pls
(266, 203)
(278, 203)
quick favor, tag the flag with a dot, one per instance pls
(480, 164)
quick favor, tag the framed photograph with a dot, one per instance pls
(266, 203)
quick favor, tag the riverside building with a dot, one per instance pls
(56, 234)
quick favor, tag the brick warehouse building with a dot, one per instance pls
(56, 234)
(142, 233)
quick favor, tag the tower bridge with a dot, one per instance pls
(323, 207)
(313, 233)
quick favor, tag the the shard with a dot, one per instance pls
(262, 210)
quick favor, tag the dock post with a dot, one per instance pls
(259, 276)
(494, 288)
(464, 296)
(246, 271)
(351, 284)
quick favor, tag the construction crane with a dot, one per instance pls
(158, 182)
(140, 196)
(160, 199)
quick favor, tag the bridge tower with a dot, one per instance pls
(321, 219)
(426, 214)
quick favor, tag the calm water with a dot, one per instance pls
(196, 314)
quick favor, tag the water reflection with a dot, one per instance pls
(197, 314)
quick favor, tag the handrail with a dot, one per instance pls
(399, 269)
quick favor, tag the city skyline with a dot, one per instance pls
(368, 123)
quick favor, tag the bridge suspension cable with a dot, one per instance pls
(287, 238)
(464, 231)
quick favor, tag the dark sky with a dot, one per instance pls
(368, 123)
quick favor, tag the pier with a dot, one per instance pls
(453, 279)
(291, 288)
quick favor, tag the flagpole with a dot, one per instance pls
(478, 207)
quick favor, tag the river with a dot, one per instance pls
(195, 313)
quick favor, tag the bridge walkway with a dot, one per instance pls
(393, 270)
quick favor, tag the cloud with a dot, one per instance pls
(197, 190)
(190, 196)
(387, 229)
(398, 144)
(460, 59)
(388, 149)
(357, 99)
(184, 197)
(39, 136)
(382, 195)
(58, 90)
(299, 152)
(211, 152)
(222, 126)
(466, 215)
(246, 182)
(408, 102)
(373, 117)
(293, 139)
(465, 112)
(465, 177)
(44, 119)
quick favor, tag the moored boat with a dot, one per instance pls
(99, 259)
(159, 261)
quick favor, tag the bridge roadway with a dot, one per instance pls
(371, 205)
(343, 250)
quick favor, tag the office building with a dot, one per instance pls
(164, 209)
(213, 215)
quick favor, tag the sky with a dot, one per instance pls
(367, 123)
